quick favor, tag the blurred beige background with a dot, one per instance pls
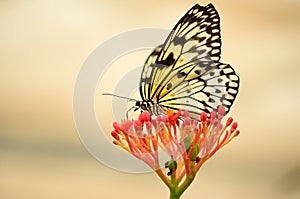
(44, 43)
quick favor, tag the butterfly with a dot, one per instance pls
(185, 72)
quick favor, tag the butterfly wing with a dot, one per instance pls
(213, 86)
(184, 72)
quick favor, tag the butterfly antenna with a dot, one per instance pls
(130, 99)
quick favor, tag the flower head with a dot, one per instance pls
(188, 142)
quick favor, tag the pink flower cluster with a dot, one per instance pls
(188, 142)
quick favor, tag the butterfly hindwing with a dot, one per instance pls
(210, 89)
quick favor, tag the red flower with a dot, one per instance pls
(188, 142)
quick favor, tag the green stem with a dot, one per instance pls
(177, 190)
(186, 184)
(174, 194)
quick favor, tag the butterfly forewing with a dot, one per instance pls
(196, 35)
(185, 72)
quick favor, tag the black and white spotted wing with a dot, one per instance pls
(185, 72)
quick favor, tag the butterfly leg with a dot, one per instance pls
(133, 107)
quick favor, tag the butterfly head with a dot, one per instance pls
(143, 105)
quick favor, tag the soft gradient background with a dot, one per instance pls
(42, 47)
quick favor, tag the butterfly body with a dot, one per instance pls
(185, 72)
